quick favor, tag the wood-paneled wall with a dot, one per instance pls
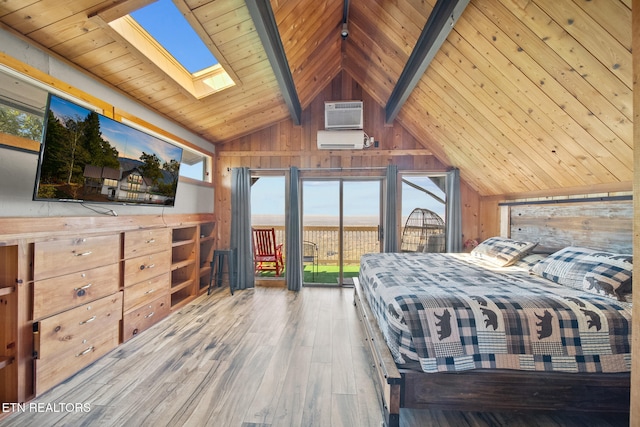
(283, 145)
(635, 365)
(595, 223)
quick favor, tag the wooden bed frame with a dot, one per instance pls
(485, 390)
(601, 222)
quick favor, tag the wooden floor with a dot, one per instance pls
(264, 357)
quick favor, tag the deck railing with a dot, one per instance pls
(358, 240)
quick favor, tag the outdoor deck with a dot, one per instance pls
(358, 240)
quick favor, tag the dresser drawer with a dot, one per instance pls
(59, 257)
(66, 334)
(144, 242)
(61, 293)
(145, 292)
(144, 317)
(145, 267)
(54, 370)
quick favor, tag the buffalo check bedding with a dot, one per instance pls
(456, 312)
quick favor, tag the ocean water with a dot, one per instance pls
(316, 220)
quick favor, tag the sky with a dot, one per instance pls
(167, 25)
(321, 197)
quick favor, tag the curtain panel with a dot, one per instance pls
(241, 227)
(293, 239)
(390, 217)
(453, 212)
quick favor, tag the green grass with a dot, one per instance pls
(329, 273)
(324, 274)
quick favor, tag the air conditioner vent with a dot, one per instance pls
(340, 139)
(343, 115)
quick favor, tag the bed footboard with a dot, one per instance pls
(506, 390)
(388, 379)
(486, 390)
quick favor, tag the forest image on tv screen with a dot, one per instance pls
(91, 158)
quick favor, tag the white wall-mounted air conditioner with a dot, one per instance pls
(343, 115)
(340, 139)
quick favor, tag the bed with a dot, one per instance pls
(499, 329)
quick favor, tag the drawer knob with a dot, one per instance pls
(149, 315)
(151, 241)
(89, 350)
(81, 291)
(81, 253)
(142, 267)
(91, 319)
(150, 291)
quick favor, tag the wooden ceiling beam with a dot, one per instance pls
(265, 22)
(118, 10)
(440, 23)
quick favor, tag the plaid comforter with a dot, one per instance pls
(452, 312)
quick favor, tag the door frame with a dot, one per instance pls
(341, 180)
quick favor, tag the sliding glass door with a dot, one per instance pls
(341, 222)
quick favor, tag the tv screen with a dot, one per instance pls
(87, 157)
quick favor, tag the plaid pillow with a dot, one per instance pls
(528, 261)
(612, 277)
(501, 251)
(570, 265)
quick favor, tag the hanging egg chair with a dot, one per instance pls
(423, 232)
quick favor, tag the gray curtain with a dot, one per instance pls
(241, 227)
(453, 212)
(390, 217)
(293, 255)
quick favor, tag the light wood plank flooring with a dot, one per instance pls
(264, 357)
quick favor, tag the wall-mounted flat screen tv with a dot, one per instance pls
(87, 157)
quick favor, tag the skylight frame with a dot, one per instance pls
(200, 84)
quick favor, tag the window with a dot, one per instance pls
(17, 121)
(162, 34)
(194, 165)
(164, 22)
(22, 109)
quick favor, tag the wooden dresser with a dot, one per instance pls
(77, 304)
(72, 289)
(147, 281)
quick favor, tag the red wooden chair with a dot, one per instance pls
(267, 255)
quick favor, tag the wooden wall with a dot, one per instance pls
(600, 224)
(284, 145)
(635, 350)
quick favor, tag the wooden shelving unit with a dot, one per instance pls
(205, 255)
(175, 252)
(8, 323)
(184, 258)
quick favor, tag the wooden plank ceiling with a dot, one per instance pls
(523, 96)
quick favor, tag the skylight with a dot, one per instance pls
(162, 35)
(164, 22)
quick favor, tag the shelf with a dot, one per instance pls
(184, 235)
(181, 264)
(181, 285)
(206, 230)
(5, 361)
(183, 253)
(203, 283)
(180, 298)
(6, 291)
(177, 243)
